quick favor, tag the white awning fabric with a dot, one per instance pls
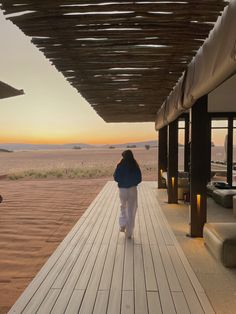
(214, 63)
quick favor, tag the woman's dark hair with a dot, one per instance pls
(128, 159)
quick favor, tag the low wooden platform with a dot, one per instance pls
(97, 270)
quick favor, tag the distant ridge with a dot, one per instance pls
(14, 146)
(2, 150)
(137, 144)
(18, 147)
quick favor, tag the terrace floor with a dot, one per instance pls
(218, 281)
(97, 270)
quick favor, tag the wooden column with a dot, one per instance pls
(162, 155)
(230, 151)
(186, 144)
(172, 167)
(199, 164)
(209, 149)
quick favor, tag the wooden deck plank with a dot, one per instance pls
(167, 303)
(205, 303)
(94, 281)
(154, 227)
(101, 302)
(128, 280)
(139, 282)
(153, 203)
(150, 278)
(188, 290)
(91, 291)
(81, 279)
(110, 260)
(154, 304)
(97, 270)
(48, 302)
(68, 288)
(127, 306)
(28, 293)
(154, 237)
(58, 308)
(75, 302)
(114, 304)
(180, 303)
(137, 236)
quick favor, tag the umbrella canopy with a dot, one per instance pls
(9, 91)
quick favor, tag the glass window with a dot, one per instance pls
(181, 150)
(181, 124)
(234, 157)
(219, 123)
(234, 125)
(219, 155)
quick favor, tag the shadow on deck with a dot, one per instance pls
(97, 270)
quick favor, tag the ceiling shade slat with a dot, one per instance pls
(100, 46)
(7, 91)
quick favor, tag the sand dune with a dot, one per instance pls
(35, 217)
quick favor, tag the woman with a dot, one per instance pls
(128, 176)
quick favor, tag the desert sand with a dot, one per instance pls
(71, 158)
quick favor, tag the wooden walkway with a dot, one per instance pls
(97, 270)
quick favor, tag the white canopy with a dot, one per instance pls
(214, 63)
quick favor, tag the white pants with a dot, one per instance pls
(128, 208)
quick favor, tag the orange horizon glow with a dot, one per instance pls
(51, 140)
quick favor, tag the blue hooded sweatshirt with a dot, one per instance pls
(127, 177)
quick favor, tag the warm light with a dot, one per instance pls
(198, 201)
(161, 172)
(173, 181)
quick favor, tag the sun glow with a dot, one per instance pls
(51, 111)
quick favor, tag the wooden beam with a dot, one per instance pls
(186, 144)
(230, 151)
(200, 138)
(172, 167)
(209, 148)
(162, 155)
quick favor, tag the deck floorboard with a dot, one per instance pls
(97, 270)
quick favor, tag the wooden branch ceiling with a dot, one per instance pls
(124, 57)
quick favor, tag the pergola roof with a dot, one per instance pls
(124, 57)
(9, 91)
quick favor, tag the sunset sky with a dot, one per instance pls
(51, 111)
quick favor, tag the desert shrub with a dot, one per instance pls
(71, 173)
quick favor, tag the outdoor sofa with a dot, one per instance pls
(220, 238)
